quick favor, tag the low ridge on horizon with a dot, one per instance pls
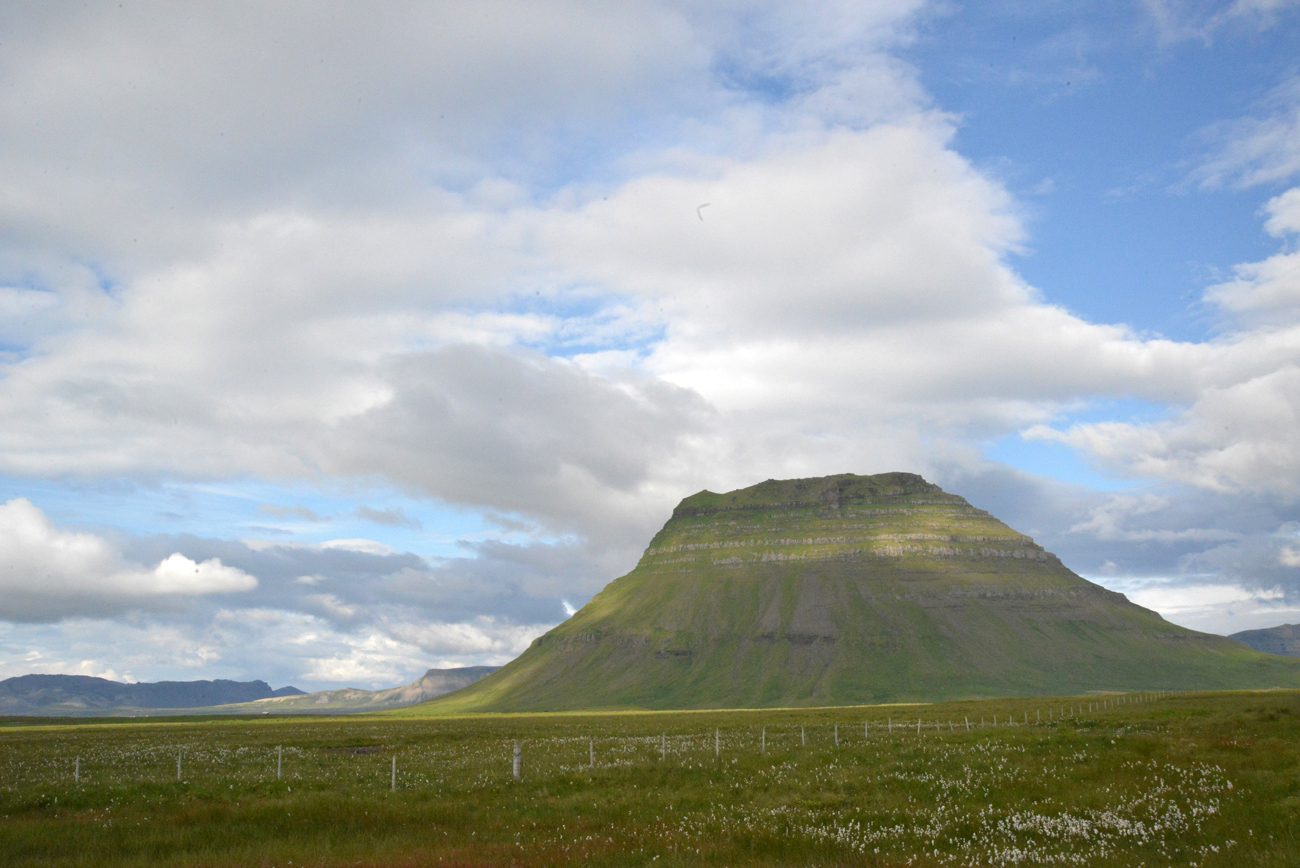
(63, 695)
(845, 590)
(42, 695)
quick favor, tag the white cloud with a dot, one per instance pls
(1233, 438)
(1209, 606)
(49, 573)
(1178, 20)
(1111, 522)
(389, 657)
(365, 546)
(1260, 149)
(180, 575)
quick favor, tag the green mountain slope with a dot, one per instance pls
(851, 589)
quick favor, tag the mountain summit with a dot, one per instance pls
(845, 590)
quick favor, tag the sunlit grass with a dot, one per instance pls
(1198, 779)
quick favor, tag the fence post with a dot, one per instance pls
(837, 735)
(968, 723)
(663, 746)
(918, 726)
(591, 751)
(519, 754)
(76, 772)
(394, 784)
(763, 741)
(178, 765)
(717, 743)
(279, 761)
(803, 737)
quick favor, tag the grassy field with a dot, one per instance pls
(1191, 779)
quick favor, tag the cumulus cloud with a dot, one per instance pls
(47, 573)
(1266, 294)
(1241, 397)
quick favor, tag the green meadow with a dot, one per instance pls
(1208, 779)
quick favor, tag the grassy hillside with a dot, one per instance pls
(846, 590)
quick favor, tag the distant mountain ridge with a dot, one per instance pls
(1283, 639)
(79, 694)
(83, 696)
(434, 683)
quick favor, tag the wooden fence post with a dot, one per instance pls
(519, 756)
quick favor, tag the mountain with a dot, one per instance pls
(435, 682)
(82, 694)
(1283, 640)
(851, 589)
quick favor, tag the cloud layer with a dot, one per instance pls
(47, 573)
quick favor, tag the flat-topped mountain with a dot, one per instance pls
(83, 694)
(851, 589)
(1283, 639)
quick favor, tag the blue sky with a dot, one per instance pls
(333, 350)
